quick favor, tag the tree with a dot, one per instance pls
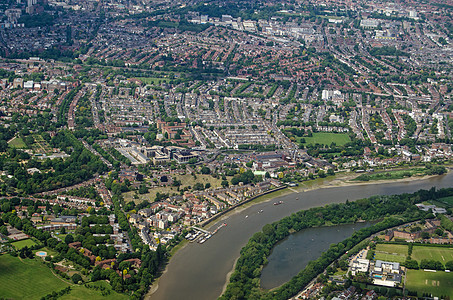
(143, 189)
(449, 265)
(205, 170)
(4, 230)
(76, 278)
(69, 239)
(225, 183)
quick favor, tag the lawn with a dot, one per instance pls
(81, 292)
(447, 200)
(27, 279)
(436, 253)
(327, 138)
(389, 252)
(50, 252)
(392, 249)
(17, 142)
(437, 283)
(389, 257)
(21, 244)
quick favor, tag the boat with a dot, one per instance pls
(278, 203)
(246, 216)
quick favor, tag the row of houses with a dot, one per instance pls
(192, 208)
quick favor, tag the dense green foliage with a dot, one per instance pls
(446, 223)
(387, 51)
(62, 116)
(81, 165)
(244, 282)
(85, 192)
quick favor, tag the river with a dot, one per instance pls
(200, 271)
(294, 253)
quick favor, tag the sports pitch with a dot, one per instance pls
(432, 253)
(436, 283)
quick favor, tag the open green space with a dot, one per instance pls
(390, 257)
(50, 252)
(446, 200)
(390, 175)
(432, 253)
(81, 292)
(26, 279)
(327, 138)
(436, 283)
(21, 244)
(392, 249)
(390, 252)
(17, 142)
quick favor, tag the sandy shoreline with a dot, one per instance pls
(343, 180)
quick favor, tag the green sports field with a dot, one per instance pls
(389, 252)
(327, 138)
(21, 244)
(436, 283)
(390, 257)
(392, 249)
(26, 279)
(433, 253)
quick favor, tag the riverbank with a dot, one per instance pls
(339, 180)
(213, 262)
(335, 182)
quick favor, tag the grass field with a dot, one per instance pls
(436, 253)
(438, 283)
(447, 200)
(81, 292)
(327, 138)
(17, 143)
(50, 252)
(21, 244)
(27, 279)
(389, 252)
(389, 257)
(392, 249)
